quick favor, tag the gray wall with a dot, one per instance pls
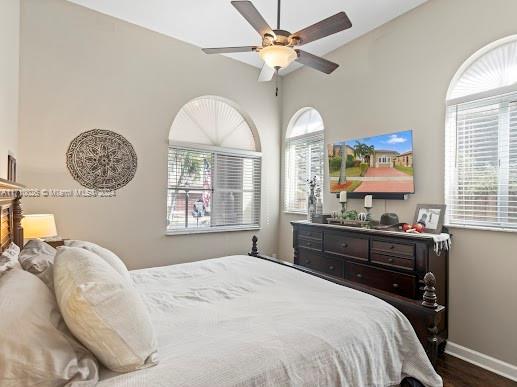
(82, 70)
(396, 78)
(9, 60)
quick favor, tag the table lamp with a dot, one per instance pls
(39, 226)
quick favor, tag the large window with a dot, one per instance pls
(481, 140)
(304, 156)
(214, 169)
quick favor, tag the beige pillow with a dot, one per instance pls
(103, 310)
(104, 253)
(36, 348)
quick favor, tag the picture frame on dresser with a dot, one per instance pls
(431, 216)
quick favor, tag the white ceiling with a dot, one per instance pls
(216, 23)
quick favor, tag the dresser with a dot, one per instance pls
(391, 261)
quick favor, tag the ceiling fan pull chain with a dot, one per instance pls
(278, 16)
(276, 82)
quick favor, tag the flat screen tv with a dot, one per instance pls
(373, 165)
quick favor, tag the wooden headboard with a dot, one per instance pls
(10, 214)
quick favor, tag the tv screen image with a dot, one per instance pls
(378, 164)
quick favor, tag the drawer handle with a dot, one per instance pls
(309, 244)
(344, 245)
(307, 261)
(395, 286)
(359, 275)
(331, 267)
(390, 260)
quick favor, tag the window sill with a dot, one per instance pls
(211, 230)
(288, 212)
(481, 228)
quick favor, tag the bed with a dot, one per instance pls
(246, 321)
(251, 320)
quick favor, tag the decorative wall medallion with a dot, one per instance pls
(101, 159)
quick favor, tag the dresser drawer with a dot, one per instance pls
(391, 261)
(312, 260)
(306, 232)
(398, 283)
(400, 249)
(346, 246)
(307, 243)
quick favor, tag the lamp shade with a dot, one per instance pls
(39, 226)
(278, 56)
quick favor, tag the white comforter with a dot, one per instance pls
(243, 321)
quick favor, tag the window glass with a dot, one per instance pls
(214, 173)
(304, 158)
(481, 142)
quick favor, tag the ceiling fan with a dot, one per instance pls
(278, 46)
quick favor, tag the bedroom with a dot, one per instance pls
(70, 67)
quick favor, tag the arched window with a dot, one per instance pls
(214, 169)
(481, 140)
(304, 155)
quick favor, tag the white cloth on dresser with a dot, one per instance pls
(441, 242)
(243, 321)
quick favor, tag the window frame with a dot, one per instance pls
(288, 142)
(498, 94)
(502, 96)
(221, 151)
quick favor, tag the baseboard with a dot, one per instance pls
(484, 361)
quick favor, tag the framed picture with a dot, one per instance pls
(430, 216)
(11, 168)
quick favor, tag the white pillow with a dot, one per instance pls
(36, 348)
(9, 258)
(104, 253)
(103, 310)
(37, 257)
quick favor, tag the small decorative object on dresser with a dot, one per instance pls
(311, 199)
(319, 202)
(322, 218)
(431, 217)
(388, 221)
(368, 204)
(342, 200)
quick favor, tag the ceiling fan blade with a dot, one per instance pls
(266, 74)
(228, 50)
(316, 62)
(321, 29)
(250, 13)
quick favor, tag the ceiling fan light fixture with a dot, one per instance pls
(278, 56)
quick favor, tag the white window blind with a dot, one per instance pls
(481, 163)
(212, 190)
(303, 160)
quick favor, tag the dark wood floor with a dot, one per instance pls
(458, 373)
